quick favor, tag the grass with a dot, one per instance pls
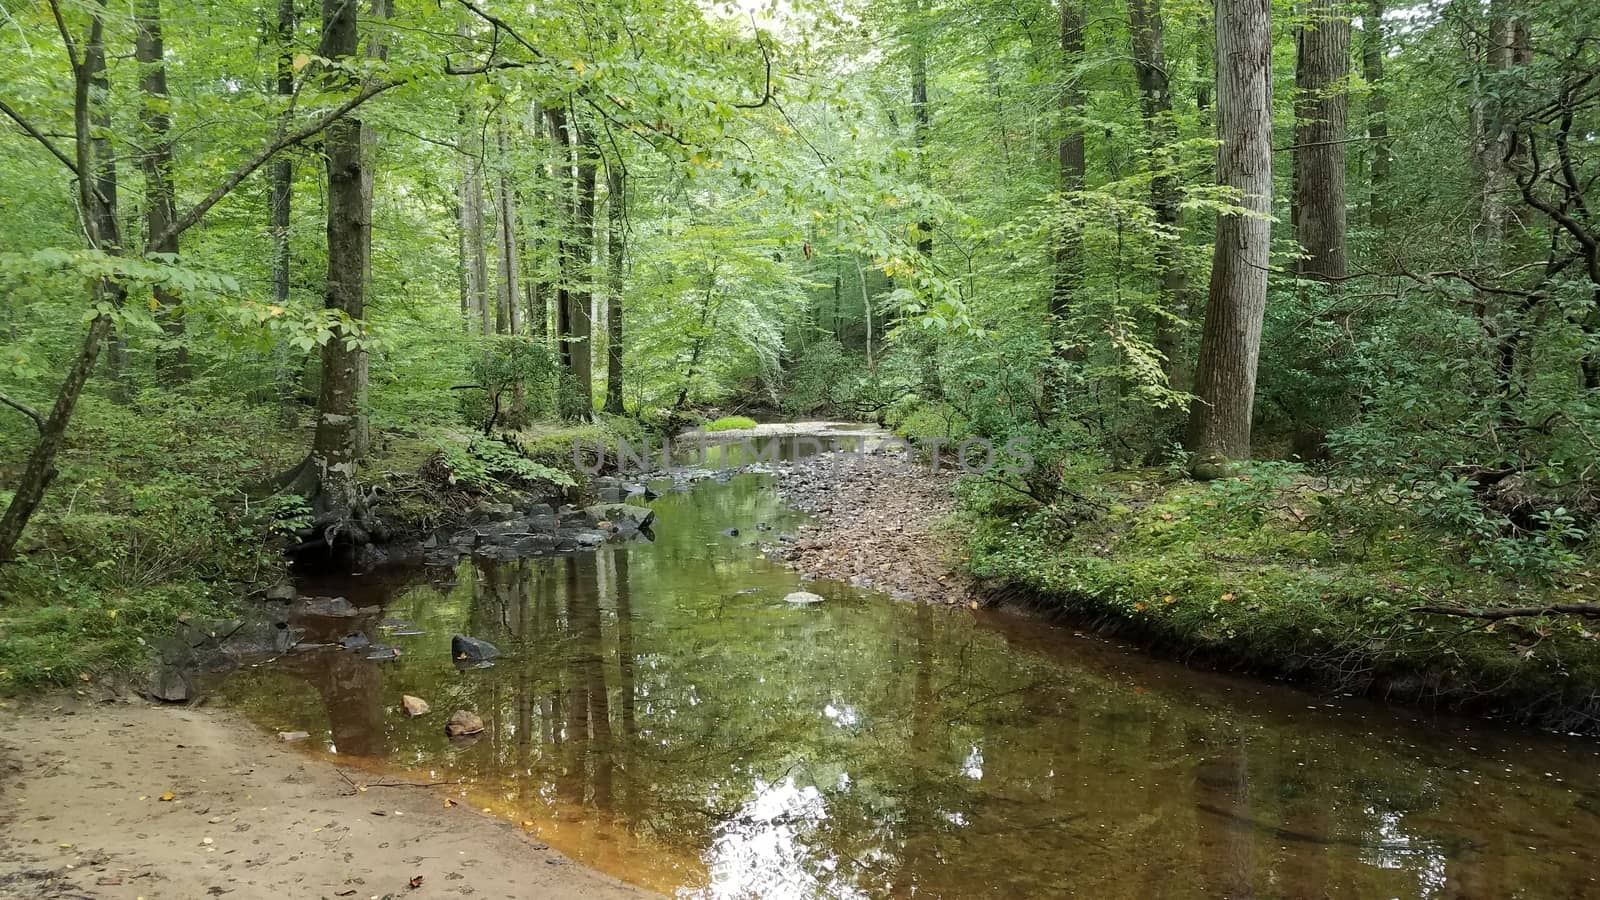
(155, 515)
(1286, 579)
(731, 423)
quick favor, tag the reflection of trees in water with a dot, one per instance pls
(971, 767)
(351, 688)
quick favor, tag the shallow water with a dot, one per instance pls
(661, 714)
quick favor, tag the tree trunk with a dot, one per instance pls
(338, 502)
(1322, 66)
(104, 169)
(377, 49)
(616, 215)
(583, 298)
(1070, 170)
(1230, 342)
(475, 258)
(921, 121)
(102, 230)
(283, 166)
(1155, 104)
(156, 163)
(281, 178)
(1373, 49)
(562, 185)
(508, 294)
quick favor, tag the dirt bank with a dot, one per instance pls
(87, 814)
(876, 526)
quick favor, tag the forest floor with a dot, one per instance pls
(877, 524)
(123, 799)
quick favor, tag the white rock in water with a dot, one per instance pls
(414, 706)
(801, 597)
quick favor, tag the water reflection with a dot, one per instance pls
(660, 713)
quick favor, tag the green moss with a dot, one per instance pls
(1265, 577)
(731, 423)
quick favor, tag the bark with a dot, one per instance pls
(583, 299)
(281, 177)
(921, 122)
(1070, 165)
(104, 209)
(474, 257)
(1374, 47)
(537, 286)
(102, 231)
(1155, 104)
(283, 167)
(1322, 62)
(562, 183)
(1230, 342)
(616, 215)
(338, 502)
(156, 163)
(507, 293)
(377, 49)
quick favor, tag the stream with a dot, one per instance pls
(661, 714)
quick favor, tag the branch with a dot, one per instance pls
(766, 54)
(1515, 612)
(39, 136)
(283, 142)
(26, 410)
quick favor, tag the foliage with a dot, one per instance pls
(731, 423)
(487, 465)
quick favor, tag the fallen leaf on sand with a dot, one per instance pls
(415, 882)
(168, 797)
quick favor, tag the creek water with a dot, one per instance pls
(660, 713)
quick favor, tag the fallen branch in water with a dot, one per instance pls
(1515, 612)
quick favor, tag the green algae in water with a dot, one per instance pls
(660, 713)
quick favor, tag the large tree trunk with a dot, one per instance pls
(475, 258)
(156, 163)
(339, 508)
(1155, 104)
(583, 299)
(1373, 49)
(1070, 170)
(1322, 65)
(616, 215)
(1230, 343)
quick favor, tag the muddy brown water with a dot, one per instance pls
(661, 714)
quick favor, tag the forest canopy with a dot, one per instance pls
(254, 254)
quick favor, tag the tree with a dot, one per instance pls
(508, 294)
(156, 163)
(1230, 342)
(1373, 48)
(1071, 167)
(337, 501)
(583, 299)
(1322, 64)
(1155, 104)
(616, 222)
